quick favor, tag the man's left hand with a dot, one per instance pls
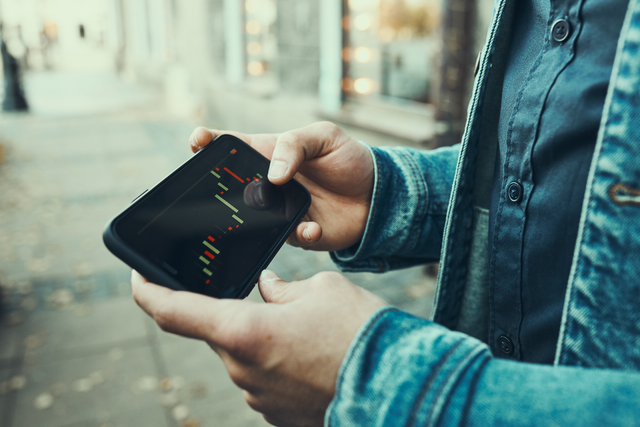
(285, 354)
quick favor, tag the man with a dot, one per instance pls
(534, 219)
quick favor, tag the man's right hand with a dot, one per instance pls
(335, 168)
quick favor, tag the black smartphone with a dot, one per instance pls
(212, 225)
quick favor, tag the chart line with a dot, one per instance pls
(207, 244)
(229, 205)
(234, 175)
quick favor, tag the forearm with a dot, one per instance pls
(408, 211)
(406, 371)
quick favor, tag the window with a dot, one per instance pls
(260, 37)
(388, 49)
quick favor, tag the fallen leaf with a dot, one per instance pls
(191, 423)
(198, 390)
(82, 385)
(43, 401)
(180, 412)
(147, 384)
(58, 389)
(15, 318)
(33, 341)
(18, 382)
(169, 399)
(61, 299)
(29, 303)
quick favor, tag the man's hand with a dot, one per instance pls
(335, 168)
(286, 354)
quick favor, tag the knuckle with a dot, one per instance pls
(254, 344)
(327, 126)
(289, 141)
(239, 376)
(270, 419)
(164, 317)
(330, 129)
(253, 402)
(328, 276)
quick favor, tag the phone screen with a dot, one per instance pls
(214, 220)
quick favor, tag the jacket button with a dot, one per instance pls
(560, 30)
(506, 346)
(514, 192)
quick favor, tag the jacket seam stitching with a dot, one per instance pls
(372, 322)
(467, 360)
(419, 203)
(434, 374)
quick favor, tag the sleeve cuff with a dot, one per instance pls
(401, 370)
(398, 206)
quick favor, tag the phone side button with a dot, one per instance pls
(141, 194)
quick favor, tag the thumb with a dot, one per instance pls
(294, 147)
(273, 289)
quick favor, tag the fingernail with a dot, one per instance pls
(268, 276)
(306, 234)
(277, 169)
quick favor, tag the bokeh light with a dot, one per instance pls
(362, 85)
(362, 22)
(253, 27)
(363, 54)
(250, 6)
(255, 68)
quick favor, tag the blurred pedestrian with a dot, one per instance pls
(14, 99)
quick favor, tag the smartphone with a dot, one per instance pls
(212, 225)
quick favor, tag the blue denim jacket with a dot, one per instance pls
(428, 206)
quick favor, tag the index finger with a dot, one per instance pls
(263, 143)
(201, 137)
(297, 146)
(186, 313)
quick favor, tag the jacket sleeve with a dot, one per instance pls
(408, 210)
(404, 371)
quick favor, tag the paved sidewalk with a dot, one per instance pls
(75, 350)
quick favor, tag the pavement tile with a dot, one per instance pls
(91, 390)
(5, 397)
(9, 344)
(82, 328)
(221, 403)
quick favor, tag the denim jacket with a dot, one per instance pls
(427, 206)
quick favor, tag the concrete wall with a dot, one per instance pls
(215, 36)
(298, 32)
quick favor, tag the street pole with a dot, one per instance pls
(14, 99)
(455, 71)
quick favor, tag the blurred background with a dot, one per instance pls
(99, 98)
